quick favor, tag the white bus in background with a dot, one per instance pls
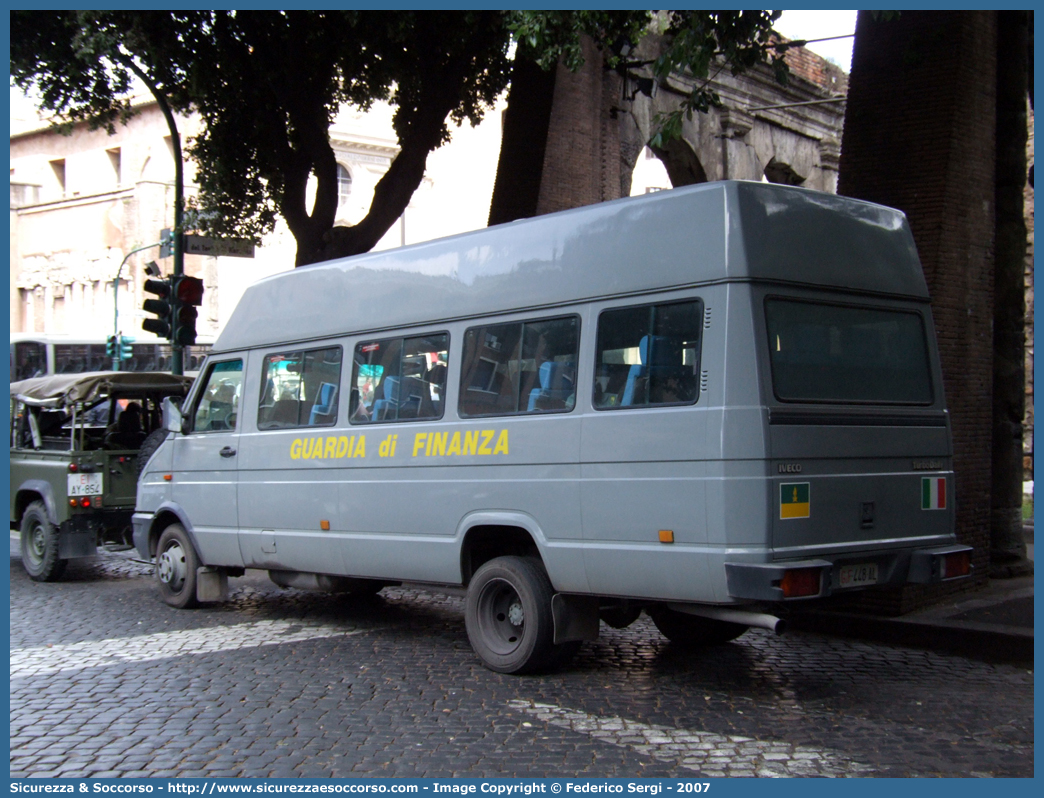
(39, 355)
(702, 404)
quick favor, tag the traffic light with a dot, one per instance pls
(126, 347)
(187, 294)
(166, 243)
(161, 307)
(110, 347)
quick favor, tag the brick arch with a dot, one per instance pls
(682, 163)
(777, 171)
(573, 138)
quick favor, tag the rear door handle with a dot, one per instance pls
(228, 451)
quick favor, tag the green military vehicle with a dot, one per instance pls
(78, 443)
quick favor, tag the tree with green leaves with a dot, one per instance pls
(268, 84)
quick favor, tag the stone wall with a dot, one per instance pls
(599, 124)
(785, 134)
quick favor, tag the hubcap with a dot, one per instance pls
(503, 617)
(516, 615)
(171, 567)
(37, 542)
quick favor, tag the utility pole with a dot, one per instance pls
(177, 360)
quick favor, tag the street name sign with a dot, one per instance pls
(219, 247)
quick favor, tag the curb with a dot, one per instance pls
(980, 641)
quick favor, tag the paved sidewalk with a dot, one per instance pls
(994, 624)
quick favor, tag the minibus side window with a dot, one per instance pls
(648, 355)
(520, 367)
(300, 389)
(218, 404)
(399, 379)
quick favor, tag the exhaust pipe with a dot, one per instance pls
(759, 619)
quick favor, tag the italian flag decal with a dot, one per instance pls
(793, 500)
(933, 493)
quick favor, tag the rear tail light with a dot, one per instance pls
(799, 582)
(85, 501)
(957, 564)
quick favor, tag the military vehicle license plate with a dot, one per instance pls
(85, 484)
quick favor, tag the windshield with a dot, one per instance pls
(847, 354)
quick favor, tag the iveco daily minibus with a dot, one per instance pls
(701, 403)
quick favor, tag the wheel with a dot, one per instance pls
(694, 631)
(40, 545)
(508, 617)
(176, 564)
(148, 448)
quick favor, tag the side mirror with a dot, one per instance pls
(172, 418)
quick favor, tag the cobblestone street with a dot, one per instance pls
(107, 681)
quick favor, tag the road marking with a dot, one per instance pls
(164, 645)
(712, 755)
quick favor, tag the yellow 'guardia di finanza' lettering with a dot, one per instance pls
(425, 444)
(333, 447)
(478, 441)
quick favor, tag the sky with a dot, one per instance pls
(820, 24)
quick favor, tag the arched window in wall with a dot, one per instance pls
(779, 172)
(344, 185)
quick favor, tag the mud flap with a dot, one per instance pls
(211, 584)
(77, 540)
(576, 617)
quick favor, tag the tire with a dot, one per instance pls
(148, 448)
(40, 545)
(508, 617)
(694, 631)
(176, 564)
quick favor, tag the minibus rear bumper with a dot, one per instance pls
(816, 578)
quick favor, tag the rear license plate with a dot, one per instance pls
(858, 575)
(85, 484)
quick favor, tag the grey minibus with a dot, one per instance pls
(703, 404)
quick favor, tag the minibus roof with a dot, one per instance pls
(712, 232)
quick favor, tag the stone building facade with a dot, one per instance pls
(79, 204)
(763, 131)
